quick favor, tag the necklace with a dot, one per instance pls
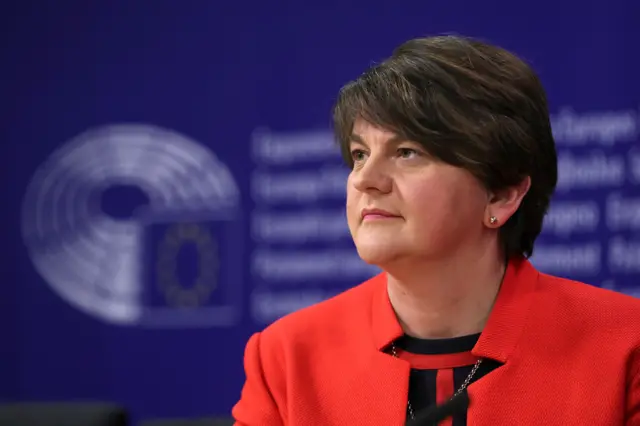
(464, 385)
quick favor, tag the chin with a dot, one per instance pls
(377, 254)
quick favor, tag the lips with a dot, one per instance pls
(378, 214)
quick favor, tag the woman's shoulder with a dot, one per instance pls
(583, 292)
(588, 304)
(331, 318)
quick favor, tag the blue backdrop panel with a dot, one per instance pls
(171, 184)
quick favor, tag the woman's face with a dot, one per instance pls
(429, 209)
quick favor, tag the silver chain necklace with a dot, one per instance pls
(464, 385)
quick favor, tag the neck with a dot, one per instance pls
(447, 298)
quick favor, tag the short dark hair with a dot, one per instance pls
(470, 104)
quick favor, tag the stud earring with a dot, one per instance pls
(493, 220)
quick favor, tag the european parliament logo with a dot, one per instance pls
(139, 226)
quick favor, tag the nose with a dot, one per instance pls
(373, 176)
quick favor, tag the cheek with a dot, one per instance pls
(430, 205)
(352, 205)
(443, 204)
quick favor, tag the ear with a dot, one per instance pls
(503, 204)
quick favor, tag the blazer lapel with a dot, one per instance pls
(487, 400)
(386, 377)
(379, 392)
(491, 398)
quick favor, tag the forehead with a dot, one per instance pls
(366, 132)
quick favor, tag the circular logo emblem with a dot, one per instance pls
(127, 223)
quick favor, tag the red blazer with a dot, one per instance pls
(571, 355)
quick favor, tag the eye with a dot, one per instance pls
(358, 155)
(407, 152)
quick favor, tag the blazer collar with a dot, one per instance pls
(504, 326)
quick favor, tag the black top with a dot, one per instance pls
(438, 369)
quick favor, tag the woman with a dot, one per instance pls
(453, 168)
